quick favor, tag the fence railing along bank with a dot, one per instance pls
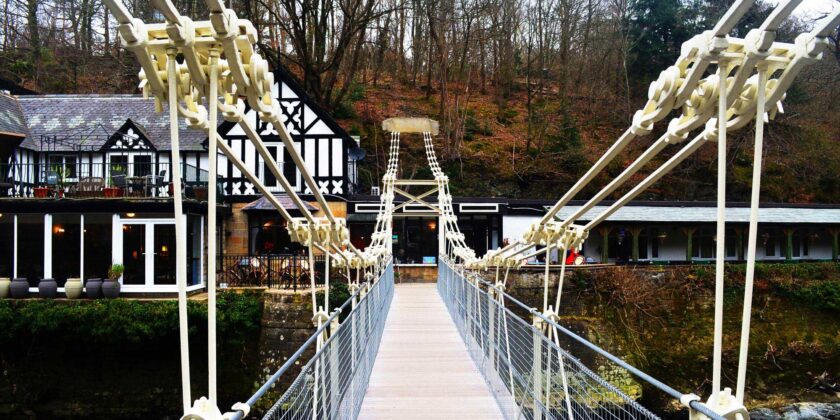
(531, 375)
(332, 384)
(289, 271)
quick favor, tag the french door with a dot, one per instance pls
(148, 253)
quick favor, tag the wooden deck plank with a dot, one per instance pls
(423, 369)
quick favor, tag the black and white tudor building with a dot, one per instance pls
(321, 142)
(85, 182)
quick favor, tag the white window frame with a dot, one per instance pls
(149, 223)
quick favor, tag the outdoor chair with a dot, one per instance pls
(118, 180)
(89, 186)
(52, 182)
(154, 183)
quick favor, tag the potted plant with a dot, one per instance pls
(61, 173)
(111, 287)
(19, 288)
(47, 288)
(112, 191)
(5, 282)
(93, 288)
(73, 288)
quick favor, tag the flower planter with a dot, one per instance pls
(93, 288)
(47, 288)
(41, 192)
(112, 192)
(73, 288)
(111, 289)
(200, 193)
(19, 288)
(5, 283)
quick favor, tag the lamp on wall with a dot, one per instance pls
(58, 229)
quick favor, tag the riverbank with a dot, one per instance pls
(661, 320)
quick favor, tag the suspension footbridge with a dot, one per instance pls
(462, 348)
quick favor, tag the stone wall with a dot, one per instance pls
(421, 274)
(285, 326)
(237, 226)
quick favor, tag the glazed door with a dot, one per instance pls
(164, 254)
(134, 254)
(148, 252)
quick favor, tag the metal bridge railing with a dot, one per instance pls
(332, 384)
(530, 375)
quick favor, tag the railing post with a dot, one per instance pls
(491, 341)
(537, 367)
(334, 368)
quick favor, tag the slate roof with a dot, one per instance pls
(11, 116)
(689, 213)
(262, 203)
(92, 119)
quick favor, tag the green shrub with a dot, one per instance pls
(126, 321)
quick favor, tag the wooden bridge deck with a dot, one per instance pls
(423, 370)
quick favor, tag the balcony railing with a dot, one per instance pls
(87, 180)
(288, 271)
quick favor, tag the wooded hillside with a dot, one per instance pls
(528, 93)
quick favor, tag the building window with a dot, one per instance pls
(66, 235)
(64, 166)
(768, 240)
(731, 244)
(142, 165)
(360, 234)
(801, 239)
(643, 244)
(134, 253)
(416, 240)
(30, 262)
(269, 179)
(267, 234)
(98, 236)
(194, 251)
(7, 245)
(658, 236)
(704, 244)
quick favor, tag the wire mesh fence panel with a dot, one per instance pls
(332, 384)
(530, 375)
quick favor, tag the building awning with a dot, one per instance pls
(262, 204)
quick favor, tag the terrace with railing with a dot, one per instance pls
(75, 179)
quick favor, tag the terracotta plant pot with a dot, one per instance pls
(47, 288)
(73, 288)
(111, 289)
(93, 288)
(5, 283)
(112, 192)
(200, 193)
(19, 288)
(41, 192)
